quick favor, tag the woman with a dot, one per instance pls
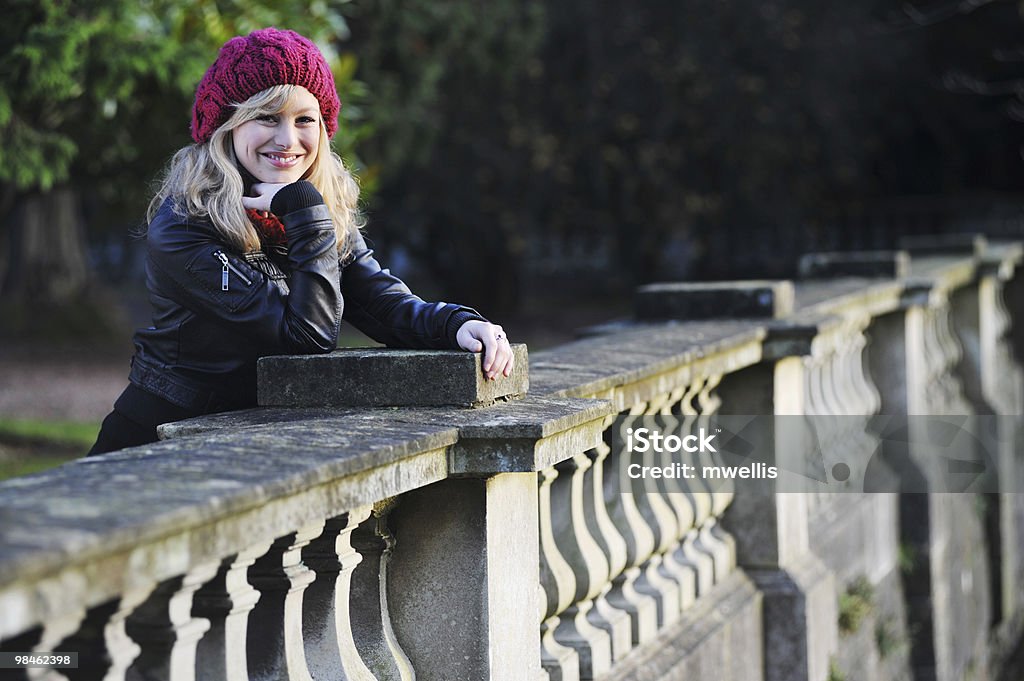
(254, 248)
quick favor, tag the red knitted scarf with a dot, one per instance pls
(269, 227)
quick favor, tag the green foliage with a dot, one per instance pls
(63, 432)
(907, 558)
(29, 446)
(888, 638)
(855, 605)
(835, 673)
(101, 90)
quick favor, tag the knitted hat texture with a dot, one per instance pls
(248, 65)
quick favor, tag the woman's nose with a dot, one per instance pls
(285, 135)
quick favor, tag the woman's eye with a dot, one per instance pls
(307, 119)
(267, 118)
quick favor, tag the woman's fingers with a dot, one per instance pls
(490, 354)
(480, 336)
(510, 364)
(503, 360)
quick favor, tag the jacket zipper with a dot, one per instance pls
(226, 266)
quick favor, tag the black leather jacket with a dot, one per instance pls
(216, 311)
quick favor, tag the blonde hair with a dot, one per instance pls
(203, 179)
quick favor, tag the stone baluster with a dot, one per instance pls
(867, 400)
(166, 630)
(683, 570)
(588, 563)
(695, 503)
(55, 629)
(274, 647)
(708, 551)
(942, 354)
(556, 576)
(604, 615)
(331, 650)
(632, 515)
(696, 567)
(666, 579)
(628, 524)
(226, 601)
(369, 612)
(121, 648)
(716, 540)
(90, 642)
(681, 558)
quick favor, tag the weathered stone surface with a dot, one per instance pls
(593, 366)
(464, 579)
(934, 244)
(716, 300)
(523, 435)
(1001, 259)
(788, 338)
(889, 264)
(945, 272)
(852, 294)
(382, 377)
(721, 637)
(801, 631)
(199, 498)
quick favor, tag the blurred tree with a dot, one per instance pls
(660, 135)
(970, 96)
(449, 82)
(95, 96)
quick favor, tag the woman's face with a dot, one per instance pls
(280, 148)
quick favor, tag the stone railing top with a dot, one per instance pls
(887, 264)
(824, 297)
(945, 272)
(87, 510)
(273, 469)
(528, 420)
(714, 300)
(962, 244)
(628, 353)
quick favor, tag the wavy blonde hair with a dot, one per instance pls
(203, 179)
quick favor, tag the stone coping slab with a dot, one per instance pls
(596, 365)
(714, 300)
(943, 274)
(504, 438)
(964, 244)
(888, 264)
(90, 508)
(847, 295)
(383, 377)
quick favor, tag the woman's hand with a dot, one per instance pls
(476, 335)
(264, 194)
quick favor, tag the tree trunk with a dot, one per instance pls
(46, 264)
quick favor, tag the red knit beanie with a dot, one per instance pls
(248, 65)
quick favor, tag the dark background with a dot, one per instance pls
(536, 159)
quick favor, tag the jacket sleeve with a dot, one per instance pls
(201, 274)
(380, 305)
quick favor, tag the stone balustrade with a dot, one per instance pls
(443, 527)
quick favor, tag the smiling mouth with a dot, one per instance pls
(282, 160)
